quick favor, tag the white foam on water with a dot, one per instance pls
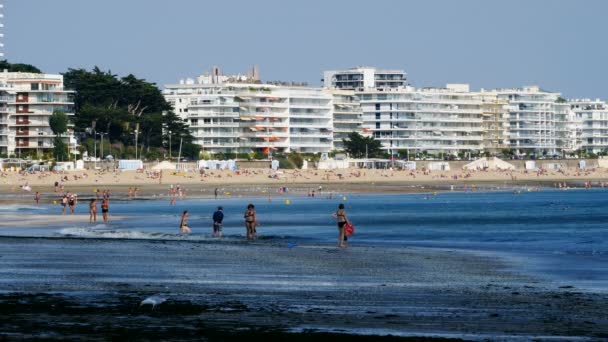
(19, 207)
(98, 232)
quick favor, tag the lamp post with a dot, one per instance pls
(95, 148)
(136, 134)
(170, 145)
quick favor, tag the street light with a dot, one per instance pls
(170, 145)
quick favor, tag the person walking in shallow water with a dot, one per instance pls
(105, 208)
(183, 224)
(218, 217)
(342, 219)
(93, 210)
(250, 221)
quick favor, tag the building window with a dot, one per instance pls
(377, 125)
(377, 106)
(35, 86)
(20, 97)
(377, 116)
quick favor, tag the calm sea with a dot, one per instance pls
(560, 234)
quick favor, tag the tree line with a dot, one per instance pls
(120, 110)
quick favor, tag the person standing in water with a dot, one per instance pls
(105, 208)
(342, 219)
(250, 221)
(183, 224)
(93, 210)
(218, 217)
(37, 197)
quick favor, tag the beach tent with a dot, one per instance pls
(439, 166)
(130, 164)
(552, 166)
(490, 164)
(530, 165)
(582, 164)
(274, 164)
(164, 165)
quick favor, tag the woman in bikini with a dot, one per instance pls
(250, 222)
(342, 219)
(183, 225)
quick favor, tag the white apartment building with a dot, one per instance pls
(538, 121)
(363, 77)
(27, 101)
(591, 118)
(253, 117)
(310, 120)
(348, 116)
(433, 120)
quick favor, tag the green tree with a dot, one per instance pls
(18, 67)
(59, 125)
(357, 146)
(58, 122)
(60, 149)
(123, 106)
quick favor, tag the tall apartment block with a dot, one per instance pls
(537, 121)
(432, 120)
(348, 116)
(239, 114)
(592, 123)
(27, 101)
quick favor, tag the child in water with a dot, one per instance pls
(183, 225)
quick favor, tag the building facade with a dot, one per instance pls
(437, 121)
(537, 121)
(348, 116)
(363, 77)
(591, 119)
(27, 101)
(244, 117)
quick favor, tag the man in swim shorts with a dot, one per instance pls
(218, 217)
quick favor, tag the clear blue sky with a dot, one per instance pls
(559, 45)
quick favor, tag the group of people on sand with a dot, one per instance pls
(251, 223)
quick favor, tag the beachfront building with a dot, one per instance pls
(432, 121)
(348, 116)
(27, 101)
(363, 77)
(537, 121)
(238, 114)
(591, 116)
(310, 120)
(495, 123)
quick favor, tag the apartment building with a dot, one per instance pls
(591, 120)
(437, 121)
(310, 120)
(537, 121)
(363, 77)
(348, 116)
(243, 116)
(495, 123)
(27, 101)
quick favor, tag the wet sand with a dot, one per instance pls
(62, 288)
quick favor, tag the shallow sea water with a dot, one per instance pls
(559, 234)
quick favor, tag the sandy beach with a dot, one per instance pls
(93, 288)
(260, 181)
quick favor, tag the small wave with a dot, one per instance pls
(102, 231)
(99, 232)
(20, 207)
